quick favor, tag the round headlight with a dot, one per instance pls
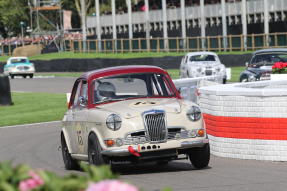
(194, 113)
(218, 69)
(114, 122)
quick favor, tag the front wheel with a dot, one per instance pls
(70, 163)
(94, 151)
(12, 76)
(200, 156)
(31, 75)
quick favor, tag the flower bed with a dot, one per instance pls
(24, 178)
(279, 68)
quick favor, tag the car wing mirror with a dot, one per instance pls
(83, 101)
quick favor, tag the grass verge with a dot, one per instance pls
(72, 55)
(33, 108)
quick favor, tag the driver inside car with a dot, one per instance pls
(105, 91)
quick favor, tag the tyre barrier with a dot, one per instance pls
(5, 91)
(246, 121)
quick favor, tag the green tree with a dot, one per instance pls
(12, 12)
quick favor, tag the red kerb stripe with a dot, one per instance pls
(246, 127)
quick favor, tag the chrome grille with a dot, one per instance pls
(155, 125)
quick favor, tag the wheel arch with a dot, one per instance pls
(99, 137)
(65, 135)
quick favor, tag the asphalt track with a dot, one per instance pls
(38, 146)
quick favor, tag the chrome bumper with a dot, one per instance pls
(125, 151)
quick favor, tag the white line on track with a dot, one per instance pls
(31, 125)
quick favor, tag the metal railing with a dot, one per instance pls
(212, 43)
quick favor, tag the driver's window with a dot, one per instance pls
(81, 93)
(77, 95)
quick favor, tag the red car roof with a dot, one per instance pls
(122, 70)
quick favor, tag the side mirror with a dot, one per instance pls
(179, 90)
(83, 101)
(246, 64)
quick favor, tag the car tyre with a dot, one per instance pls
(24, 76)
(12, 76)
(94, 151)
(244, 78)
(200, 156)
(70, 163)
(31, 75)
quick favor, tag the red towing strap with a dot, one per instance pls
(133, 152)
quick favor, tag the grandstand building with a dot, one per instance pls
(200, 18)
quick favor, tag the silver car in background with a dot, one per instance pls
(200, 64)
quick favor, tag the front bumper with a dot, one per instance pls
(154, 147)
(22, 72)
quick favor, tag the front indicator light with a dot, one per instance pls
(200, 133)
(109, 142)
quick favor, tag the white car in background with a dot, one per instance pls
(200, 64)
(19, 66)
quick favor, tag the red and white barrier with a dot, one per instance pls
(247, 121)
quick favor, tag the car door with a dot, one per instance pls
(80, 113)
(69, 118)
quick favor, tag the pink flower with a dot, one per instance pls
(143, 8)
(23, 186)
(111, 185)
(34, 182)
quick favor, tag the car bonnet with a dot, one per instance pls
(135, 107)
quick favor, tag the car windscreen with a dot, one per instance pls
(18, 60)
(202, 57)
(131, 86)
(268, 59)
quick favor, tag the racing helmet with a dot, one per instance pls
(106, 90)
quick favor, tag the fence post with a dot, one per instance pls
(230, 43)
(177, 47)
(9, 49)
(253, 42)
(208, 43)
(187, 43)
(140, 45)
(197, 44)
(80, 46)
(122, 45)
(219, 43)
(158, 45)
(275, 40)
(241, 42)
(88, 47)
(105, 46)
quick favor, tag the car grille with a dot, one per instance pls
(208, 72)
(23, 68)
(155, 125)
